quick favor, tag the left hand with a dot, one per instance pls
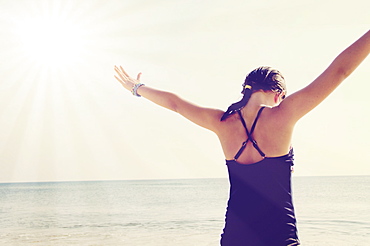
(126, 81)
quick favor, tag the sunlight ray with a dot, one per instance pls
(60, 106)
(19, 145)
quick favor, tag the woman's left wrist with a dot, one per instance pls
(135, 88)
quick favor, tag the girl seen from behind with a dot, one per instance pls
(255, 134)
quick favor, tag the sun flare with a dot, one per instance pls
(51, 41)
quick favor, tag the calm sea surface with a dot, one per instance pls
(330, 211)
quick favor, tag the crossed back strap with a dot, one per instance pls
(249, 134)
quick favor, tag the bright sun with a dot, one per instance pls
(51, 41)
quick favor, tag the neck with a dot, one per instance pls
(259, 99)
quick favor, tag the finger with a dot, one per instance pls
(138, 76)
(117, 69)
(123, 71)
(119, 80)
(122, 76)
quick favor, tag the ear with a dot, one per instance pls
(276, 97)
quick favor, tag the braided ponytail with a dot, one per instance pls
(235, 107)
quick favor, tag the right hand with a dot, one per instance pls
(126, 81)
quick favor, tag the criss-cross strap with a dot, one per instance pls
(249, 135)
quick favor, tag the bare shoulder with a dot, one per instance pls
(277, 123)
(275, 115)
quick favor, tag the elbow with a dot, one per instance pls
(174, 108)
(343, 72)
(172, 100)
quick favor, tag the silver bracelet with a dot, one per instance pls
(135, 88)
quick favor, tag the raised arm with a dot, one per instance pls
(301, 102)
(204, 117)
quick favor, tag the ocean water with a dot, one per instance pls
(330, 211)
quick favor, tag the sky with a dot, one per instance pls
(63, 116)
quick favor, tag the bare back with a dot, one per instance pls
(272, 133)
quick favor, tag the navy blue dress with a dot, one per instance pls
(260, 211)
